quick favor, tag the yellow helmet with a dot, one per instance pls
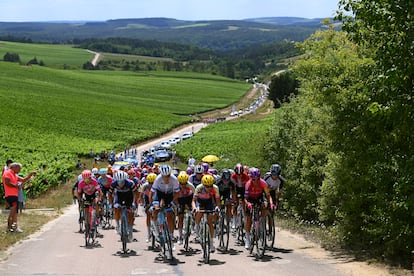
(208, 180)
(182, 177)
(151, 177)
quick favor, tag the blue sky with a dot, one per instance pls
(100, 10)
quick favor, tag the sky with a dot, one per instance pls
(101, 10)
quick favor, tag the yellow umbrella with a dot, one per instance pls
(210, 158)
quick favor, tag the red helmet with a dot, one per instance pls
(86, 174)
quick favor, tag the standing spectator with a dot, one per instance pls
(191, 162)
(5, 168)
(11, 181)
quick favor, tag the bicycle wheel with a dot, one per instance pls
(261, 237)
(92, 231)
(168, 241)
(81, 220)
(87, 228)
(187, 230)
(206, 243)
(240, 227)
(224, 231)
(270, 230)
(124, 233)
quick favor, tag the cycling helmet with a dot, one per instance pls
(246, 169)
(213, 171)
(205, 167)
(86, 174)
(189, 170)
(238, 169)
(103, 171)
(165, 170)
(120, 175)
(226, 174)
(275, 169)
(199, 169)
(254, 173)
(151, 177)
(183, 177)
(208, 180)
(131, 172)
(95, 171)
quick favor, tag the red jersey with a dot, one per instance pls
(255, 190)
(88, 188)
(240, 180)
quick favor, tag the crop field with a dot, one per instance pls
(52, 55)
(52, 116)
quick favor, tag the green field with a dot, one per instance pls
(53, 116)
(52, 55)
(239, 141)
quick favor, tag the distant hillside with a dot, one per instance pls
(222, 35)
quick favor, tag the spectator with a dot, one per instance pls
(191, 162)
(11, 181)
(5, 168)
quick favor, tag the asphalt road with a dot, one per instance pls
(58, 249)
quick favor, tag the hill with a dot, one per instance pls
(221, 35)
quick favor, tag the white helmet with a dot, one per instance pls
(120, 175)
(95, 171)
(165, 170)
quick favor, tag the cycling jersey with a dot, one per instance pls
(166, 187)
(240, 180)
(274, 184)
(254, 191)
(205, 198)
(194, 180)
(224, 189)
(105, 182)
(124, 193)
(88, 188)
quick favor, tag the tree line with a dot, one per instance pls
(345, 137)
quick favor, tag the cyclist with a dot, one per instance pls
(132, 175)
(239, 178)
(275, 183)
(208, 198)
(225, 187)
(255, 188)
(105, 182)
(95, 173)
(185, 198)
(89, 189)
(195, 178)
(145, 192)
(164, 190)
(124, 191)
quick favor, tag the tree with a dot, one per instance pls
(281, 87)
(11, 57)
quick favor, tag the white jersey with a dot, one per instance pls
(273, 184)
(166, 187)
